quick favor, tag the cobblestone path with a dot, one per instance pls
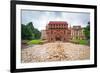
(57, 51)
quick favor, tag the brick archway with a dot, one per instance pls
(58, 36)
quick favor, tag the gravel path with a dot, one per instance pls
(57, 51)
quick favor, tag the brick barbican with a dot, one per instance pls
(59, 31)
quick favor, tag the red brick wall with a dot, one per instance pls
(57, 31)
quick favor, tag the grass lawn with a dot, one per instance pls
(35, 42)
(82, 42)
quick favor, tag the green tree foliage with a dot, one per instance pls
(25, 33)
(87, 31)
(30, 26)
(28, 32)
(37, 33)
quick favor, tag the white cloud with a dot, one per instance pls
(41, 18)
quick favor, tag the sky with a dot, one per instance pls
(41, 18)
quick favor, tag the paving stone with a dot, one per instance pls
(57, 51)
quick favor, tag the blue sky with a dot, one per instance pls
(41, 18)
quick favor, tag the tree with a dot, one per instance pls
(30, 26)
(26, 33)
(29, 32)
(87, 31)
(37, 33)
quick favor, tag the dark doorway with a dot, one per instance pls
(58, 39)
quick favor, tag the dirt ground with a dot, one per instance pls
(57, 51)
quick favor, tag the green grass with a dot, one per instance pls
(35, 42)
(82, 42)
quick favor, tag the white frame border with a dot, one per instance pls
(51, 64)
